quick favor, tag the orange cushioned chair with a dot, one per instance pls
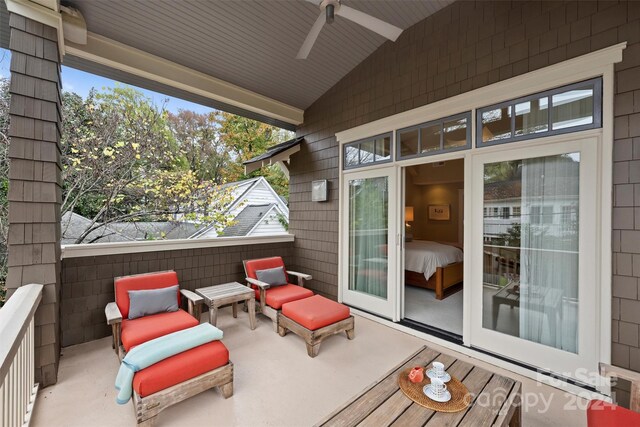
(604, 414)
(129, 333)
(175, 378)
(272, 298)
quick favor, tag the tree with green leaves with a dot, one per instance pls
(122, 162)
(245, 139)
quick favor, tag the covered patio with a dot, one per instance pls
(356, 92)
(277, 384)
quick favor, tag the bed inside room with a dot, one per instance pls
(433, 248)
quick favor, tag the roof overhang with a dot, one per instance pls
(115, 55)
(235, 56)
(278, 154)
(119, 58)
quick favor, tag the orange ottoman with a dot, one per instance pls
(179, 377)
(315, 319)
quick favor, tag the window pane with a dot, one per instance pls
(532, 116)
(351, 155)
(496, 124)
(572, 108)
(430, 139)
(367, 152)
(530, 258)
(409, 143)
(455, 133)
(368, 235)
(383, 149)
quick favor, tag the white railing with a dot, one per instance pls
(17, 368)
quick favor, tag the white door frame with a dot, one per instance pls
(595, 64)
(528, 352)
(466, 157)
(384, 307)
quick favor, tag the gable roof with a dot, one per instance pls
(239, 190)
(144, 230)
(274, 150)
(247, 219)
(74, 225)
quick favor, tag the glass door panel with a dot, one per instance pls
(369, 245)
(534, 263)
(530, 252)
(369, 235)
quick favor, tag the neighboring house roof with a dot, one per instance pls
(274, 150)
(73, 226)
(240, 190)
(247, 220)
(155, 229)
(512, 190)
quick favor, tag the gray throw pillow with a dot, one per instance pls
(272, 276)
(153, 301)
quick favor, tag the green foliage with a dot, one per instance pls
(126, 159)
(245, 139)
(284, 222)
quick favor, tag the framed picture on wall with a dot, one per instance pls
(439, 212)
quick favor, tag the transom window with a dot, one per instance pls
(367, 151)
(566, 109)
(443, 135)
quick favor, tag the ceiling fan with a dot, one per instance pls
(330, 8)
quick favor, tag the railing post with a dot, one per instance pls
(17, 371)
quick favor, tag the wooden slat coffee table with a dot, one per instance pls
(496, 399)
(225, 294)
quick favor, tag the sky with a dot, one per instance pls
(81, 83)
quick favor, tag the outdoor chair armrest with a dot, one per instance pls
(625, 374)
(258, 283)
(615, 371)
(112, 312)
(194, 301)
(192, 296)
(301, 277)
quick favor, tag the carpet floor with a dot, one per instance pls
(422, 306)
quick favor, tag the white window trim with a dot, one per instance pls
(584, 67)
(592, 65)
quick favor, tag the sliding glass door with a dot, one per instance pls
(369, 250)
(534, 249)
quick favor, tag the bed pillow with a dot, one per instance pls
(152, 301)
(273, 276)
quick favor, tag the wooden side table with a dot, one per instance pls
(229, 293)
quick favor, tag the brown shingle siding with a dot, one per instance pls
(87, 283)
(484, 42)
(34, 179)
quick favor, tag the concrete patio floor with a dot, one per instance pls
(275, 383)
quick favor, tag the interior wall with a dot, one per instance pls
(420, 194)
(441, 231)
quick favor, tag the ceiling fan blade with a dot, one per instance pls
(311, 37)
(370, 22)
